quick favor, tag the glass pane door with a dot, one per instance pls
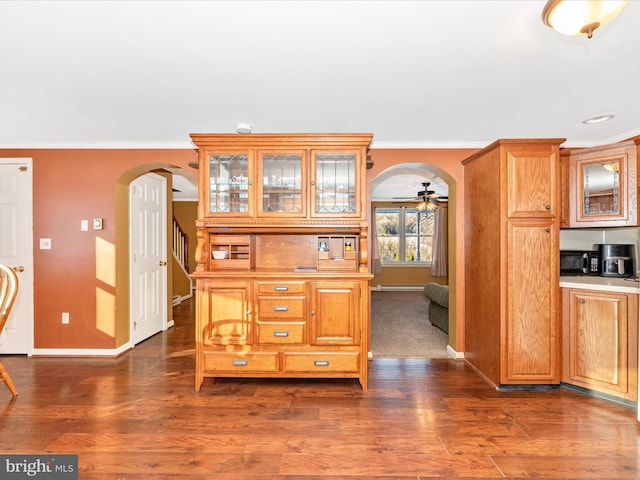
(228, 183)
(282, 184)
(335, 183)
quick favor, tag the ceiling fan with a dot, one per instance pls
(425, 198)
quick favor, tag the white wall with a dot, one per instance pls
(584, 239)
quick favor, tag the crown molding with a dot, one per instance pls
(188, 145)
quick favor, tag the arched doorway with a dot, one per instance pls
(404, 180)
(123, 234)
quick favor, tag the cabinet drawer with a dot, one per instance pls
(280, 307)
(249, 362)
(281, 288)
(281, 333)
(331, 362)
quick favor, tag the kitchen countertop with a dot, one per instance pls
(601, 283)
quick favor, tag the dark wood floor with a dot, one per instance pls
(137, 417)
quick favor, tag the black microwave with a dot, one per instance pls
(579, 262)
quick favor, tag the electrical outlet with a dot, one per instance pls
(65, 318)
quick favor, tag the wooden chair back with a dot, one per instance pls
(8, 293)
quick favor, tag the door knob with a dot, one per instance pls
(18, 269)
(162, 263)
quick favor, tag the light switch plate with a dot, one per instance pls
(45, 244)
(97, 224)
(84, 225)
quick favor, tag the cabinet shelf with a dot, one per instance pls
(231, 252)
(337, 252)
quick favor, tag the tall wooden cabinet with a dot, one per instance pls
(512, 206)
(282, 277)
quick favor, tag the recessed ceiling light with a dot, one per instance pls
(598, 119)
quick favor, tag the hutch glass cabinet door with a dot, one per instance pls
(335, 183)
(229, 184)
(281, 188)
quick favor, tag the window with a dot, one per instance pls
(405, 235)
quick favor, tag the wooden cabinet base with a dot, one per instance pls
(264, 325)
(288, 364)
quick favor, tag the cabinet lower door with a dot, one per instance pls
(530, 336)
(598, 340)
(335, 309)
(225, 313)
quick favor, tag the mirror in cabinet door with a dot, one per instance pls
(603, 188)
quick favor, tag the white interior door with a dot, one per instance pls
(148, 230)
(16, 250)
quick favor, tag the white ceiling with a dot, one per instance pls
(416, 74)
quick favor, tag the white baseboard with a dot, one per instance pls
(80, 352)
(178, 299)
(453, 354)
(397, 288)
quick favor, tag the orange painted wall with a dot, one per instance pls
(77, 275)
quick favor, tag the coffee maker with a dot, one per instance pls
(616, 260)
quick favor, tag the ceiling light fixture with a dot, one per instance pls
(598, 119)
(576, 17)
(425, 206)
(243, 128)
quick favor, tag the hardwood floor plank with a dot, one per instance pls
(169, 463)
(138, 417)
(563, 447)
(595, 467)
(419, 465)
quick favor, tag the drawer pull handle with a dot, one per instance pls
(281, 308)
(321, 363)
(281, 288)
(280, 334)
(240, 363)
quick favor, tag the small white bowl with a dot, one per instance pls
(220, 254)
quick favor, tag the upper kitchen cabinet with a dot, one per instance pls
(299, 176)
(533, 179)
(603, 186)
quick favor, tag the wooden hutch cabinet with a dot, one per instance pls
(512, 204)
(282, 278)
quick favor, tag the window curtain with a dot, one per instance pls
(376, 264)
(439, 253)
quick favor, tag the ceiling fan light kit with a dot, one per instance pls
(580, 17)
(426, 199)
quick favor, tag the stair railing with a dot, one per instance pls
(180, 245)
